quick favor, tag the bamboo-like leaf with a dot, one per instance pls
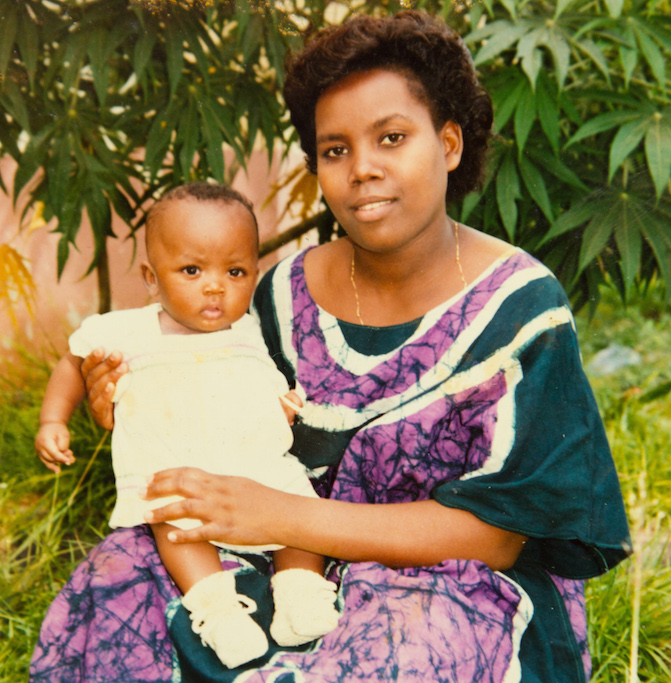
(535, 184)
(32, 158)
(628, 54)
(574, 217)
(58, 169)
(159, 137)
(14, 102)
(658, 236)
(225, 121)
(596, 236)
(562, 6)
(558, 169)
(504, 35)
(658, 151)
(8, 28)
(653, 55)
(615, 7)
(530, 54)
(511, 6)
(28, 39)
(174, 47)
(215, 143)
(506, 101)
(525, 115)
(625, 141)
(187, 134)
(602, 123)
(595, 54)
(507, 191)
(143, 48)
(98, 60)
(561, 52)
(628, 239)
(252, 38)
(548, 114)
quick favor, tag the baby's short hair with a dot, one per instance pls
(203, 192)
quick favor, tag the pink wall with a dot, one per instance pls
(61, 305)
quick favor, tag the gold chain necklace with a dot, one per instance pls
(352, 272)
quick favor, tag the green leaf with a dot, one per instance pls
(571, 219)
(28, 40)
(159, 138)
(531, 55)
(653, 55)
(98, 59)
(225, 120)
(525, 115)
(174, 47)
(593, 51)
(507, 191)
(628, 55)
(188, 134)
(143, 48)
(15, 104)
(561, 52)
(32, 158)
(658, 236)
(625, 141)
(252, 38)
(504, 34)
(602, 123)
(58, 169)
(214, 141)
(615, 7)
(548, 114)
(506, 100)
(8, 28)
(658, 152)
(596, 236)
(535, 184)
(628, 239)
(558, 169)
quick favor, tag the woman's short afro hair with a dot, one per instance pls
(416, 45)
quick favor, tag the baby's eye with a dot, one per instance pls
(391, 139)
(236, 272)
(191, 270)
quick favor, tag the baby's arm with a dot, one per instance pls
(65, 391)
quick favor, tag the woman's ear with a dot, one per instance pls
(453, 142)
(149, 277)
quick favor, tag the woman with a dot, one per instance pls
(476, 491)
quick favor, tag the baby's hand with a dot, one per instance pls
(52, 444)
(291, 405)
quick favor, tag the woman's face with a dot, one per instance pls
(381, 164)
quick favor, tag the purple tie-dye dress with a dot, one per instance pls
(483, 407)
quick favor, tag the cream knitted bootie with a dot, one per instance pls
(304, 607)
(220, 616)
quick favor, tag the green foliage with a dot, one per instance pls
(583, 112)
(111, 101)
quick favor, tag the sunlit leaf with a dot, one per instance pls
(503, 35)
(625, 141)
(530, 54)
(615, 7)
(658, 151)
(561, 53)
(653, 55)
(602, 123)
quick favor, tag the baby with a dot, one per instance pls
(201, 391)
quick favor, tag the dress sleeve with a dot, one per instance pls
(87, 337)
(550, 476)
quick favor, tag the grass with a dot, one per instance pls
(48, 523)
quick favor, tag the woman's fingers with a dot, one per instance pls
(101, 376)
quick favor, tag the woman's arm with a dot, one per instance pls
(240, 511)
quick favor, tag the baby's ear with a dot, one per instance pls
(149, 277)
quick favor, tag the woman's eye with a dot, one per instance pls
(191, 270)
(334, 152)
(392, 138)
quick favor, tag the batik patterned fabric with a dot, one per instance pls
(485, 408)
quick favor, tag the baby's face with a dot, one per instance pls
(203, 264)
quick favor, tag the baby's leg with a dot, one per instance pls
(304, 600)
(187, 563)
(218, 614)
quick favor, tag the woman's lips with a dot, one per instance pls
(372, 209)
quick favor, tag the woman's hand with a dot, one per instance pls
(101, 376)
(232, 509)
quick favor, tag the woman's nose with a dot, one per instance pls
(365, 165)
